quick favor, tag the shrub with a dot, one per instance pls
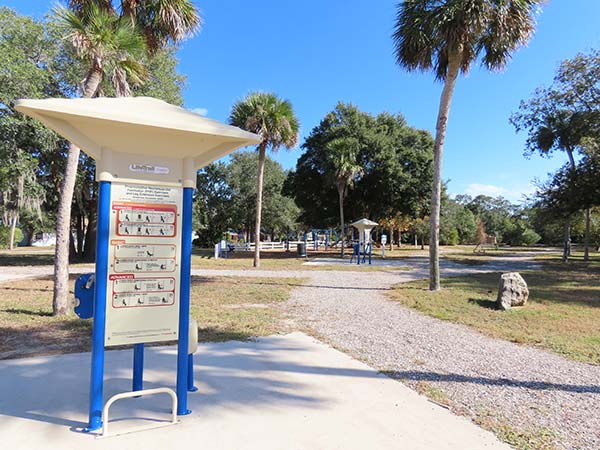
(449, 237)
(530, 237)
(5, 236)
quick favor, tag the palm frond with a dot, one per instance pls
(110, 44)
(268, 116)
(428, 32)
(164, 20)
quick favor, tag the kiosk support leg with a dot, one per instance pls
(98, 330)
(138, 367)
(184, 303)
(190, 379)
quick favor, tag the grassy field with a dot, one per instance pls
(279, 260)
(204, 259)
(225, 308)
(27, 256)
(563, 313)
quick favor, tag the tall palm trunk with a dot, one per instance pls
(567, 228)
(440, 135)
(60, 300)
(259, 188)
(586, 239)
(341, 198)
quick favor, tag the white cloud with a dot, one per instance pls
(475, 189)
(199, 111)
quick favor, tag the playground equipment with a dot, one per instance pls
(147, 154)
(364, 246)
(324, 237)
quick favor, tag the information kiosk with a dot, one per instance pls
(147, 155)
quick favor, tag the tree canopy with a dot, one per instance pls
(396, 168)
(226, 200)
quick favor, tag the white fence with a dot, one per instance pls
(249, 247)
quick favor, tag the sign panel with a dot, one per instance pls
(144, 264)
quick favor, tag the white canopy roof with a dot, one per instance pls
(364, 223)
(138, 126)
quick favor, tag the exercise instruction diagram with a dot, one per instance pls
(144, 272)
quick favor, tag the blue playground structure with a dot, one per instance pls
(326, 238)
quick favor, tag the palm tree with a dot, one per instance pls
(560, 130)
(273, 119)
(447, 36)
(163, 20)
(160, 21)
(550, 129)
(110, 46)
(343, 154)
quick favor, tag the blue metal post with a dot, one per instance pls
(190, 379)
(370, 251)
(98, 330)
(184, 302)
(138, 367)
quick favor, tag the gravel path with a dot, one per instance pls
(533, 390)
(530, 389)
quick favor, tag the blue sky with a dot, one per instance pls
(317, 52)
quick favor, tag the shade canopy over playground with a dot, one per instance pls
(141, 126)
(364, 227)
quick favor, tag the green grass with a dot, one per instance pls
(236, 308)
(563, 313)
(225, 308)
(30, 256)
(522, 439)
(435, 394)
(280, 260)
(27, 256)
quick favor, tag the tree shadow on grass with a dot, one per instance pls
(26, 259)
(211, 334)
(485, 303)
(27, 289)
(27, 312)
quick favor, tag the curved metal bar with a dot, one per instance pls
(123, 395)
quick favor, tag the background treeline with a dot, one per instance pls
(352, 163)
(36, 61)
(392, 187)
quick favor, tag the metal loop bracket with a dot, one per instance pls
(123, 395)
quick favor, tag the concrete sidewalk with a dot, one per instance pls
(280, 392)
